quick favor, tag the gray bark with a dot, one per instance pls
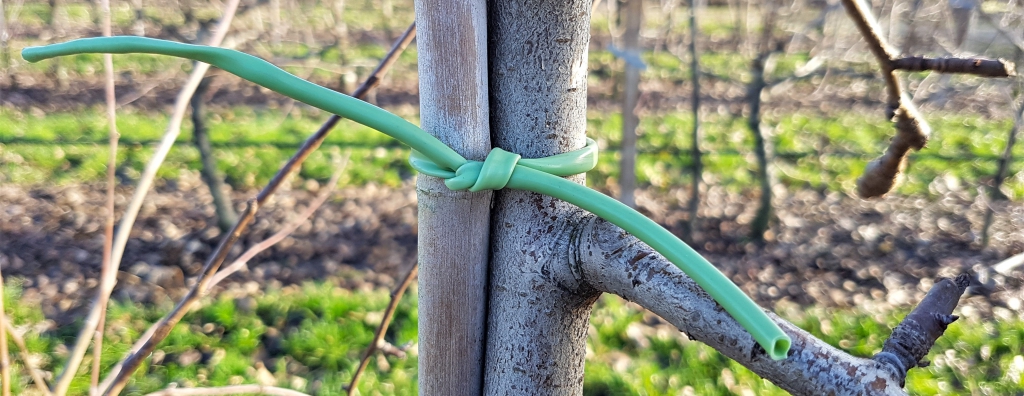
(550, 260)
(632, 14)
(615, 262)
(539, 311)
(454, 226)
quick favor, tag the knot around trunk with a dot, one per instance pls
(494, 172)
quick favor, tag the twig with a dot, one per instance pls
(108, 231)
(166, 324)
(1004, 267)
(976, 66)
(378, 336)
(912, 131)
(131, 213)
(916, 334)
(5, 358)
(242, 260)
(119, 375)
(26, 360)
(229, 390)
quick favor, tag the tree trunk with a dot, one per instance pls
(539, 309)
(5, 49)
(757, 85)
(549, 260)
(58, 21)
(454, 227)
(631, 13)
(226, 216)
(1005, 160)
(763, 216)
(697, 166)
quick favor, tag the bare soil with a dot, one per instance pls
(824, 249)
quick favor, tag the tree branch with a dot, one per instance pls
(976, 66)
(916, 334)
(128, 219)
(5, 358)
(911, 129)
(242, 260)
(26, 360)
(108, 228)
(378, 336)
(612, 261)
(140, 351)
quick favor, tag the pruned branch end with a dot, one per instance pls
(916, 334)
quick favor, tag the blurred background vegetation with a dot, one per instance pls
(822, 119)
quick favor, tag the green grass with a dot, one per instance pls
(310, 338)
(811, 151)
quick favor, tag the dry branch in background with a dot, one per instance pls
(5, 358)
(140, 351)
(976, 66)
(120, 374)
(26, 360)
(242, 260)
(912, 131)
(107, 282)
(108, 228)
(378, 336)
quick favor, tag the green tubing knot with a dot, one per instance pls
(496, 170)
(501, 169)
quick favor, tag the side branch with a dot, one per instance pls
(976, 66)
(140, 351)
(916, 334)
(911, 129)
(612, 261)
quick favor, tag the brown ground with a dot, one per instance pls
(829, 250)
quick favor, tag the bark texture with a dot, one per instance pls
(454, 226)
(613, 261)
(539, 312)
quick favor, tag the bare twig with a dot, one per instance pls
(242, 260)
(378, 336)
(5, 358)
(911, 130)
(229, 390)
(128, 220)
(916, 334)
(108, 231)
(166, 324)
(976, 66)
(1006, 266)
(26, 359)
(119, 375)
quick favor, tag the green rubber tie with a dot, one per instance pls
(501, 169)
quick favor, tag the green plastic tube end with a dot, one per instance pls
(34, 54)
(780, 348)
